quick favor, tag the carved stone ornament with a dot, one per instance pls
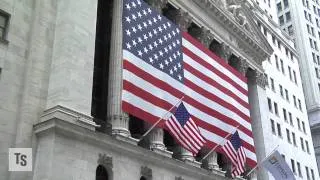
(146, 172)
(183, 19)
(238, 14)
(105, 160)
(206, 37)
(260, 79)
(243, 66)
(179, 178)
(225, 52)
(157, 4)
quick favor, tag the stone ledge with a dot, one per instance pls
(79, 132)
(162, 152)
(69, 115)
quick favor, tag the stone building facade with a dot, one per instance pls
(60, 87)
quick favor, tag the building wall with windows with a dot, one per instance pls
(305, 19)
(288, 125)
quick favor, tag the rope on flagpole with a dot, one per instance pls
(258, 164)
(155, 124)
(215, 147)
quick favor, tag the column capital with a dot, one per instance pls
(183, 20)
(260, 79)
(157, 4)
(243, 66)
(205, 36)
(225, 52)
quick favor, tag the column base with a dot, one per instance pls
(162, 152)
(192, 163)
(127, 139)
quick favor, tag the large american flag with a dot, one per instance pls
(235, 152)
(161, 64)
(185, 130)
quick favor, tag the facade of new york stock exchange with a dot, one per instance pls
(69, 109)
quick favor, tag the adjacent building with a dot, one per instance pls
(288, 125)
(61, 84)
(301, 20)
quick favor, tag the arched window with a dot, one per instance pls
(101, 173)
(143, 178)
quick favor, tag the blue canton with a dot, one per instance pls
(182, 115)
(235, 141)
(153, 38)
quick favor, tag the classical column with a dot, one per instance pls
(243, 66)
(118, 119)
(212, 161)
(184, 154)
(258, 113)
(156, 139)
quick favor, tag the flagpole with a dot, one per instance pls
(258, 164)
(155, 124)
(219, 144)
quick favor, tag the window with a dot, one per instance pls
(281, 90)
(287, 94)
(288, 16)
(294, 139)
(285, 3)
(276, 108)
(276, 60)
(272, 84)
(289, 71)
(312, 31)
(4, 22)
(305, 15)
(279, 130)
(279, 7)
(282, 68)
(311, 43)
(294, 76)
(293, 166)
(273, 128)
(269, 104)
(279, 45)
(290, 30)
(310, 19)
(315, 45)
(314, 58)
(294, 100)
(283, 156)
(302, 144)
(273, 39)
(312, 174)
(298, 122)
(290, 118)
(284, 114)
(307, 173)
(265, 32)
(317, 72)
(299, 102)
(299, 169)
(101, 173)
(288, 135)
(307, 146)
(303, 127)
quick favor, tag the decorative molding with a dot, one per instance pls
(157, 4)
(69, 115)
(179, 178)
(105, 160)
(183, 19)
(146, 172)
(260, 79)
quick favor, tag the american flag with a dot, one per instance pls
(185, 130)
(161, 64)
(236, 153)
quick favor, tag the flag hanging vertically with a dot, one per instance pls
(161, 64)
(278, 167)
(185, 130)
(235, 152)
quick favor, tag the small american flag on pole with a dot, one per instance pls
(236, 153)
(185, 130)
(161, 64)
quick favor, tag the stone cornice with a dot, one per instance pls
(71, 129)
(254, 48)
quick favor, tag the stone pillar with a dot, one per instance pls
(258, 113)
(182, 19)
(243, 66)
(71, 72)
(212, 161)
(115, 116)
(156, 139)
